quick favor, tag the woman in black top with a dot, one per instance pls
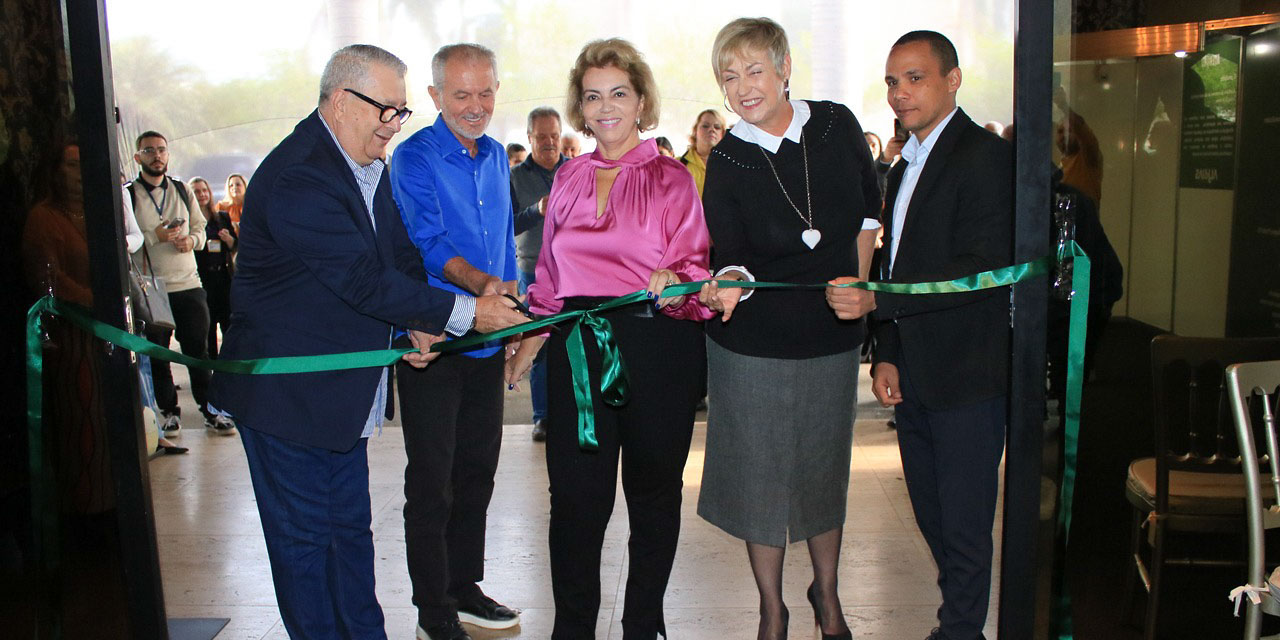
(215, 262)
(791, 196)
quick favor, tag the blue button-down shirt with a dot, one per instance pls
(454, 205)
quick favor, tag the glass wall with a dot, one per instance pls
(1165, 123)
(1168, 123)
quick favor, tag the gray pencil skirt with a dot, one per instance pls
(779, 435)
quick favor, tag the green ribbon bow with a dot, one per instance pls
(614, 384)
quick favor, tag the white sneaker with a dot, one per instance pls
(220, 424)
(170, 423)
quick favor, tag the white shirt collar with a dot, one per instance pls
(914, 148)
(751, 133)
(355, 166)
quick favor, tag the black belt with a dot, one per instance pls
(641, 309)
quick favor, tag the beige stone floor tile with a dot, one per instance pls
(216, 571)
(870, 622)
(198, 508)
(712, 623)
(247, 622)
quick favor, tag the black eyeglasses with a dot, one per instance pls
(389, 112)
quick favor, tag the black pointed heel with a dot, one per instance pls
(847, 634)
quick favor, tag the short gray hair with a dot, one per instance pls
(468, 51)
(542, 112)
(349, 67)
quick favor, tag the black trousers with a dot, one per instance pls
(950, 461)
(452, 417)
(191, 316)
(217, 289)
(666, 363)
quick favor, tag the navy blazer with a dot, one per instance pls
(312, 277)
(959, 222)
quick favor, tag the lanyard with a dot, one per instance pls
(164, 195)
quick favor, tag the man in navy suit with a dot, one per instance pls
(941, 360)
(326, 266)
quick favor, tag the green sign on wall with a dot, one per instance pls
(1211, 79)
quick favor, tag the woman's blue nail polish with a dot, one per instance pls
(511, 387)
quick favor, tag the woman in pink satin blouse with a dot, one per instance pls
(621, 219)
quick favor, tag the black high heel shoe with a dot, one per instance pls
(847, 634)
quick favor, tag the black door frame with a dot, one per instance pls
(95, 122)
(1026, 553)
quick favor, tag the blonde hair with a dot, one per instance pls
(693, 135)
(226, 200)
(749, 34)
(622, 55)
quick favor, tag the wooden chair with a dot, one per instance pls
(1194, 483)
(1255, 390)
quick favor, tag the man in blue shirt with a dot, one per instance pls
(452, 183)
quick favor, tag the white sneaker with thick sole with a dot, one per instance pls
(170, 423)
(220, 424)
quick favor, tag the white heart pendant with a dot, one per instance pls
(811, 237)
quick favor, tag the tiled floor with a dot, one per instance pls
(214, 561)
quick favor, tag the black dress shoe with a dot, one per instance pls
(539, 431)
(171, 450)
(486, 613)
(817, 618)
(451, 630)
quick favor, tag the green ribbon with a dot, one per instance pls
(614, 384)
(80, 317)
(43, 516)
(986, 280)
(1076, 334)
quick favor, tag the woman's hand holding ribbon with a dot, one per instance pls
(661, 279)
(722, 301)
(850, 303)
(518, 365)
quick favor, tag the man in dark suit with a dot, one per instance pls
(942, 360)
(326, 266)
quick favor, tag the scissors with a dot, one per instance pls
(524, 309)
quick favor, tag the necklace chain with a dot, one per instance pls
(808, 200)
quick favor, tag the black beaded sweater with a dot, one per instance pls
(753, 226)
